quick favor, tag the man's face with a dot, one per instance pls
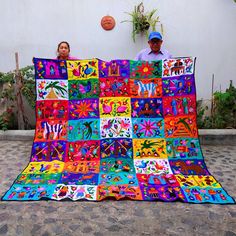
(155, 44)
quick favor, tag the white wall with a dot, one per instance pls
(202, 28)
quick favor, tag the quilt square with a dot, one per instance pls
(119, 192)
(201, 195)
(158, 179)
(164, 193)
(183, 148)
(146, 88)
(114, 107)
(86, 129)
(51, 167)
(114, 87)
(181, 126)
(48, 151)
(189, 167)
(87, 88)
(82, 167)
(152, 166)
(117, 165)
(84, 151)
(38, 179)
(74, 192)
(178, 66)
(52, 110)
(115, 179)
(52, 90)
(197, 180)
(83, 108)
(29, 192)
(149, 148)
(179, 106)
(151, 108)
(51, 130)
(178, 86)
(117, 147)
(116, 127)
(70, 178)
(50, 69)
(144, 69)
(148, 127)
(113, 68)
(82, 69)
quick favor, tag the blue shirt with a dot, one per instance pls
(148, 55)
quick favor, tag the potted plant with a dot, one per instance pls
(142, 21)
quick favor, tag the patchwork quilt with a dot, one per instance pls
(118, 129)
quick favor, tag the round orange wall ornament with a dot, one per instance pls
(108, 22)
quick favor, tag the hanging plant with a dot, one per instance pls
(143, 21)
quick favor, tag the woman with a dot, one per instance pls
(63, 51)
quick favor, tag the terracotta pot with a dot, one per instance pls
(108, 22)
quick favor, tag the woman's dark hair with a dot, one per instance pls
(68, 45)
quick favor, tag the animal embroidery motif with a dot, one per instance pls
(55, 129)
(190, 169)
(145, 89)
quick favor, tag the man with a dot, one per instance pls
(155, 52)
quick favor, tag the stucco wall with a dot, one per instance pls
(204, 28)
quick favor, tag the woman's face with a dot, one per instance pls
(63, 51)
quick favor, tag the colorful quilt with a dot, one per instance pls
(118, 129)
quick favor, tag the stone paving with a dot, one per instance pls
(116, 217)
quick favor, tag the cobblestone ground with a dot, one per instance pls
(116, 217)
